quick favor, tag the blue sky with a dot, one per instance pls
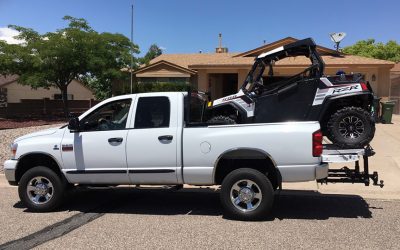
(187, 26)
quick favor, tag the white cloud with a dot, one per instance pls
(8, 34)
(163, 48)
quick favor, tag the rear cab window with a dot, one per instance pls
(153, 112)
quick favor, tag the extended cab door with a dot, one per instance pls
(154, 141)
(96, 153)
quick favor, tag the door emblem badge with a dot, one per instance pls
(67, 147)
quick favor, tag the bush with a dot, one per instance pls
(160, 87)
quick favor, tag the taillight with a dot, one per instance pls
(364, 86)
(317, 143)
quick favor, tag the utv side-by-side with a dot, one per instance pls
(343, 104)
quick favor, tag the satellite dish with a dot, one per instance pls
(337, 38)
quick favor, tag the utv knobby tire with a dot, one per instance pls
(58, 186)
(337, 135)
(221, 120)
(265, 188)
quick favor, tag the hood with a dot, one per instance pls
(38, 133)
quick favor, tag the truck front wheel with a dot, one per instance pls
(351, 127)
(41, 189)
(246, 194)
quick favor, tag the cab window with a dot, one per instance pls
(152, 112)
(110, 116)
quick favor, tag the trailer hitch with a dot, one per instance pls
(347, 175)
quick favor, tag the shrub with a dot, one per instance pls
(160, 87)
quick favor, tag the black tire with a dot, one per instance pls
(351, 127)
(221, 120)
(41, 176)
(262, 207)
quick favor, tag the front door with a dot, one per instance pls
(153, 142)
(96, 154)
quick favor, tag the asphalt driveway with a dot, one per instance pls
(126, 218)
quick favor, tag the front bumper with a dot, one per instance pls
(10, 167)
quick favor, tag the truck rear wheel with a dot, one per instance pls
(351, 127)
(41, 190)
(246, 194)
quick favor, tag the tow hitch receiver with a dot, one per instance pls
(332, 154)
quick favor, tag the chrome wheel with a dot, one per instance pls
(246, 195)
(351, 127)
(40, 190)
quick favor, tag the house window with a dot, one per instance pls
(59, 97)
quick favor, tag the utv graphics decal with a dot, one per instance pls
(345, 89)
(229, 98)
(323, 93)
(238, 99)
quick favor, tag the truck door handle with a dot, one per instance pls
(116, 139)
(165, 138)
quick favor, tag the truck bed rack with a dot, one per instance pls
(334, 154)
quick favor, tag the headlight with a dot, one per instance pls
(14, 147)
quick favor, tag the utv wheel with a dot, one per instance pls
(246, 194)
(40, 189)
(221, 120)
(351, 127)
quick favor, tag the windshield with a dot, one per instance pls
(255, 75)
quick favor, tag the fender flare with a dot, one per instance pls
(328, 102)
(259, 151)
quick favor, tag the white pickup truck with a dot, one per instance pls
(159, 139)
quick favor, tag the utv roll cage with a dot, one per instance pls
(305, 47)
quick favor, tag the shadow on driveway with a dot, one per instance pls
(307, 205)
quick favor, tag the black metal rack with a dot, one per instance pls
(345, 174)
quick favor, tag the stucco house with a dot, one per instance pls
(395, 86)
(223, 73)
(13, 92)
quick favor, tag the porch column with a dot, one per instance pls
(242, 73)
(202, 80)
(383, 81)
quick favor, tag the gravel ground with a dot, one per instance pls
(7, 136)
(27, 122)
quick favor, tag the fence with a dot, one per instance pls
(45, 108)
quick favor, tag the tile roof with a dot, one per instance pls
(4, 80)
(227, 59)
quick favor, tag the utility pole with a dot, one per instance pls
(131, 69)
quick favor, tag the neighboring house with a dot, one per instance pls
(395, 86)
(223, 73)
(13, 92)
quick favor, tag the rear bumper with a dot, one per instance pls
(10, 167)
(321, 172)
(300, 173)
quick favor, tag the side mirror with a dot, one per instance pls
(73, 124)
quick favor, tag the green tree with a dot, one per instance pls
(74, 52)
(152, 53)
(369, 48)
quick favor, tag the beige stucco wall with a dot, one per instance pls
(16, 92)
(205, 83)
(202, 80)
